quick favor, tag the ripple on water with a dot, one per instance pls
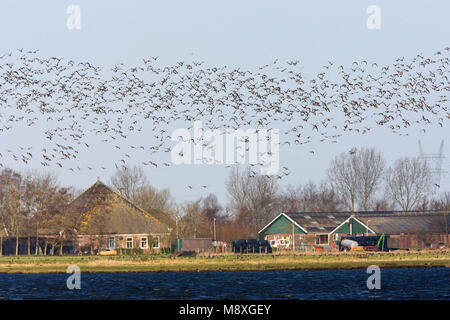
(410, 283)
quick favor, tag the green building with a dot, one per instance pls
(309, 230)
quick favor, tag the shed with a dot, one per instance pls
(404, 229)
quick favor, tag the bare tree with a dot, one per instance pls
(252, 196)
(442, 203)
(128, 180)
(159, 203)
(12, 206)
(382, 205)
(408, 182)
(211, 207)
(198, 217)
(356, 177)
(290, 199)
(192, 223)
(148, 198)
(328, 199)
(343, 176)
(311, 197)
(370, 168)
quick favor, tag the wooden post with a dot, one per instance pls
(1, 246)
(29, 245)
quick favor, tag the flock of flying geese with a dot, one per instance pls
(69, 101)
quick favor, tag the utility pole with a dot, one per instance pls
(446, 227)
(293, 238)
(214, 228)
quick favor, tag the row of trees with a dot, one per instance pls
(358, 175)
(358, 180)
(33, 204)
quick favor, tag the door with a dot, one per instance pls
(112, 244)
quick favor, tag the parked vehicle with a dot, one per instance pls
(264, 246)
(365, 243)
(251, 246)
(239, 246)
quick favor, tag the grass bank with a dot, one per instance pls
(225, 262)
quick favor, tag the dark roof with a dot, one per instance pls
(389, 222)
(319, 222)
(406, 222)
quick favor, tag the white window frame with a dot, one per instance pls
(131, 243)
(113, 240)
(146, 243)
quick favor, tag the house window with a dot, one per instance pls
(322, 239)
(144, 243)
(129, 243)
(155, 243)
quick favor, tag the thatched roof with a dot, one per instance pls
(106, 211)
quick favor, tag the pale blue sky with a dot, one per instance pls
(241, 33)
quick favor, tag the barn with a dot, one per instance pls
(412, 229)
(310, 230)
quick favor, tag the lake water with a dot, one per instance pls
(401, 283)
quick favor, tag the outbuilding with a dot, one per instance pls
(404, 230)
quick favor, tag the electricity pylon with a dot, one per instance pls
(434, 161)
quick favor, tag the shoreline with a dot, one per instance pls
(222, 263)
(226, 270)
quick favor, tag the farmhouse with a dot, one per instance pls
(404, 230)
(111, 221)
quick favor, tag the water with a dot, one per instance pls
(401, 283)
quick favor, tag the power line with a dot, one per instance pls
(434, 161)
